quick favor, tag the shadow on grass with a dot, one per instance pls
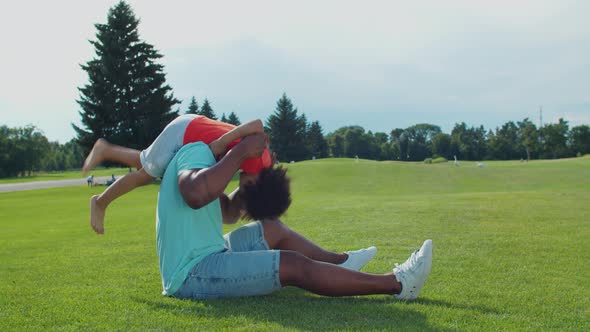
(459, 306)
(296, 309)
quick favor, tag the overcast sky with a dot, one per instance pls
(378, 64)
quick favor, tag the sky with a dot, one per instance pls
(378, 64)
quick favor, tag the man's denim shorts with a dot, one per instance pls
(246, 267)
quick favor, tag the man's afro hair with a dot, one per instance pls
(270, 196)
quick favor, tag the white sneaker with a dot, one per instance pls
(413, 272)
(359, 258)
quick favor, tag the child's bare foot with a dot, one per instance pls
(96, 155)
(96, 215)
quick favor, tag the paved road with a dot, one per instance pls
(8, 187)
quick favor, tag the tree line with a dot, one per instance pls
(128, 102)
(293, 138)
(207, 110)
(25, 150)
(520, 140)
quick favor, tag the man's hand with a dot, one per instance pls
(254, 145)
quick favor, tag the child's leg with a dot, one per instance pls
(99, 203)
(103, 150)
(151, 163)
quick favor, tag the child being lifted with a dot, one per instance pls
(152, 162)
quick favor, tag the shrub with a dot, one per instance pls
(436, 160)
(439, 160)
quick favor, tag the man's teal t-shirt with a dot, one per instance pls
(185, 236)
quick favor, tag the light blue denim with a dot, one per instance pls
(246, 267)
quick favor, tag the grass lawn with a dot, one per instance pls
(511, 252)
(65, 175)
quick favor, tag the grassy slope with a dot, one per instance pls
(511, 252)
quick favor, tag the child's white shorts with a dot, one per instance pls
(157, 156)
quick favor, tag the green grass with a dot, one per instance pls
(511, 252)
(65, 175)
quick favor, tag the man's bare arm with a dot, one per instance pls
(200, 187)
(231, 207)
(219, 146)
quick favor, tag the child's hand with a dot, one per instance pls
(218, 149)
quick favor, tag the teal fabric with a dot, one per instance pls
(185, 236)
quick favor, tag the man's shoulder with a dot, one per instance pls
(194, 155)
(190, 156)
(194, 147)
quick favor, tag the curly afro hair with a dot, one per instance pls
(270, 196)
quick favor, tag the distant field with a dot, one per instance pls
(65, 175)
(511, 252)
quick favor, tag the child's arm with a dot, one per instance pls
(219, 146)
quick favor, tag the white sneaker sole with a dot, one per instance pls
(425, 253)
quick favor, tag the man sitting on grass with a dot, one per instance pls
(198, 261)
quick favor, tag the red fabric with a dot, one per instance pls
(203, 129)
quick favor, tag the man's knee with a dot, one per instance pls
(293, 267)
(274, 232)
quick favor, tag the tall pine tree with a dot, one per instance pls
(233, 119)
(126, 100)
(316, 143)
(287, 134)
(207, 111)
(193, 107)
